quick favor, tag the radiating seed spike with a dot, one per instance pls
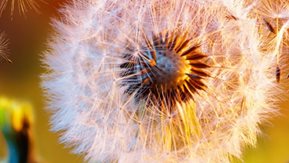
(269, 26)
(144, 55)
(201, 83)
(143, 61)
(161, 39)
(177, 42)
(143, 65)
(200, 73)
(181, 41)
(170, 40)
(199, 65)
(148, 42)
(191, 87)
(127, 65)
(190, 50)
(193, 76)
(167, 38)
(185, 95)
(174, 42)
(131, 80)
(173, 94)
(169, 93)
(182, 96)
(154, 55)
(156, 41)
(184, 44)
(232, 17)
(127, 56)
(128, 72)
(278, 74)
(186, 90)
(142, 93)
(198, 84)
(132, 88)
(197, 56)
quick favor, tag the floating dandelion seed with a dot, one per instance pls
(158, 81)
(22, 5)
(4, 47)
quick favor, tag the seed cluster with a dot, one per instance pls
(169, 68)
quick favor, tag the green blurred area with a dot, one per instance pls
(21, 79)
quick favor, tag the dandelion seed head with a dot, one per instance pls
(158, 81)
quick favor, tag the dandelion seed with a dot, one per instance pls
(270, 27)
(22, 6)
(232, 17)
(158, 81)
(4, 47)
(278, 74)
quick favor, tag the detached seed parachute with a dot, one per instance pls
(4, 47)
(161, 80)
(21, 5)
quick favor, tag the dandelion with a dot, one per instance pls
(158, 81)
(22, 5)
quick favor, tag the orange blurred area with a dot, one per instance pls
(21, 80)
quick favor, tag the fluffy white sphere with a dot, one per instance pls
(158, 80)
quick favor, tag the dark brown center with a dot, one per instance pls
(168, 68)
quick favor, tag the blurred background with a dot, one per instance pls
(20, 79)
